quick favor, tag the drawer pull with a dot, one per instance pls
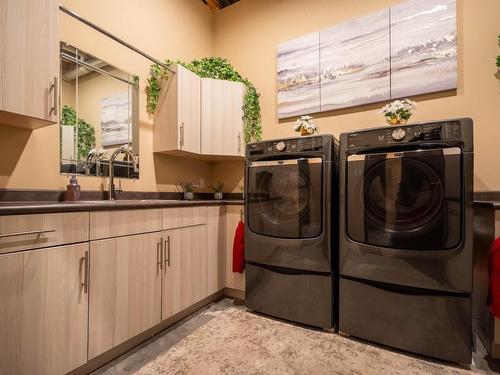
(167, 255)
(53, 88)
(17, 234)
(159, 255)
(85, 283)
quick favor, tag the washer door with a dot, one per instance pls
(285, 197)
(405, 200)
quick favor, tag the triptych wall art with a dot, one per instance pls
(408, 49)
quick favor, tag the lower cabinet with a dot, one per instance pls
(185, 273)
(43, 310)
(125, 289)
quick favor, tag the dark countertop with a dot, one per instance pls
(494, 204)
(19, 207)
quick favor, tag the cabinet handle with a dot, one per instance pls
(85, 262)
(17, 234)
(159, 255)
(53, 88)
(167, 253)
(182, 135)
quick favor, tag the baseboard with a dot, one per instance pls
(234, 293)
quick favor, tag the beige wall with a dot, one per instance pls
(248, 32)
(163, 28)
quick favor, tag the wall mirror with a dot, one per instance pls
(99, 113)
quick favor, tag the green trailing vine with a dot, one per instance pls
(86, 132)
(217, 68)
(498, 56)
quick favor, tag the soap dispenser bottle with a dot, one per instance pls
(73, 189)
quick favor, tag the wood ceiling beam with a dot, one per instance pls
(212, 4)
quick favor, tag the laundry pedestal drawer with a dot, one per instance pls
(292, 295)
(438, 326)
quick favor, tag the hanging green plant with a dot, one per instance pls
(86, 132)
(217, 68)
(498, 61)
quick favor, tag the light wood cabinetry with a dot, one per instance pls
(216, 246)
(132, 270)
(185, 269)
(234, 280)
(105, 224)
(125, 289)
(177, 217)
(222, 117)
(29, 61)
(43, 311)
(177, 118)
(23, 232)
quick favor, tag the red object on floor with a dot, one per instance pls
(239, 248)
(494, 268)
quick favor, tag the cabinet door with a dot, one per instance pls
(185, 271)
(29, 58)
(188, 111)
(43, 311)
(234, 280)
(125, 289)
(194, 286)
(172, 276)
(222, 117)
(216, 247)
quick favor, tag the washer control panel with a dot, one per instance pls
(398, 134)
(287, 146)
(438, 131)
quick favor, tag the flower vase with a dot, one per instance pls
(218, 195)
(395, 120)
(304, 132)
(188, 195)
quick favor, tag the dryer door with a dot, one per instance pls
(409, 200)
(285, 197)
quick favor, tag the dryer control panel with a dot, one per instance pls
(287, 146)
(405, 134)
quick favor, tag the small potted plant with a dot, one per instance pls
(399, 111)
(188, 189)
(217, 189)
(305, 126)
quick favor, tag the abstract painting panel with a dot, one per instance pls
(116, 120)
(355, 66)
(423, 47)
(298, 76)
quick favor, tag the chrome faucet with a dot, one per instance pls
(125, 149)
(93, 155)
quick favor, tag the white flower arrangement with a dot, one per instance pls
(305, 125)
(399, 111)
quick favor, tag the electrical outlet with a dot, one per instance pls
(202, 183)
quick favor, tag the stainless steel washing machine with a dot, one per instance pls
(290, 197)
(406, 237)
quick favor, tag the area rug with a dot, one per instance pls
(239, 342)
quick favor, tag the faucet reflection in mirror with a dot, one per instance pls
(99, 114)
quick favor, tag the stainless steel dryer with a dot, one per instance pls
(290, 195)
(406, 237)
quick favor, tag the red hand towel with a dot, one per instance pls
(239, 248)
(494, 268)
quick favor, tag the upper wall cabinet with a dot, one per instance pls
(221, 117)
(29, 63)
(201, 116)
(177, 119)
